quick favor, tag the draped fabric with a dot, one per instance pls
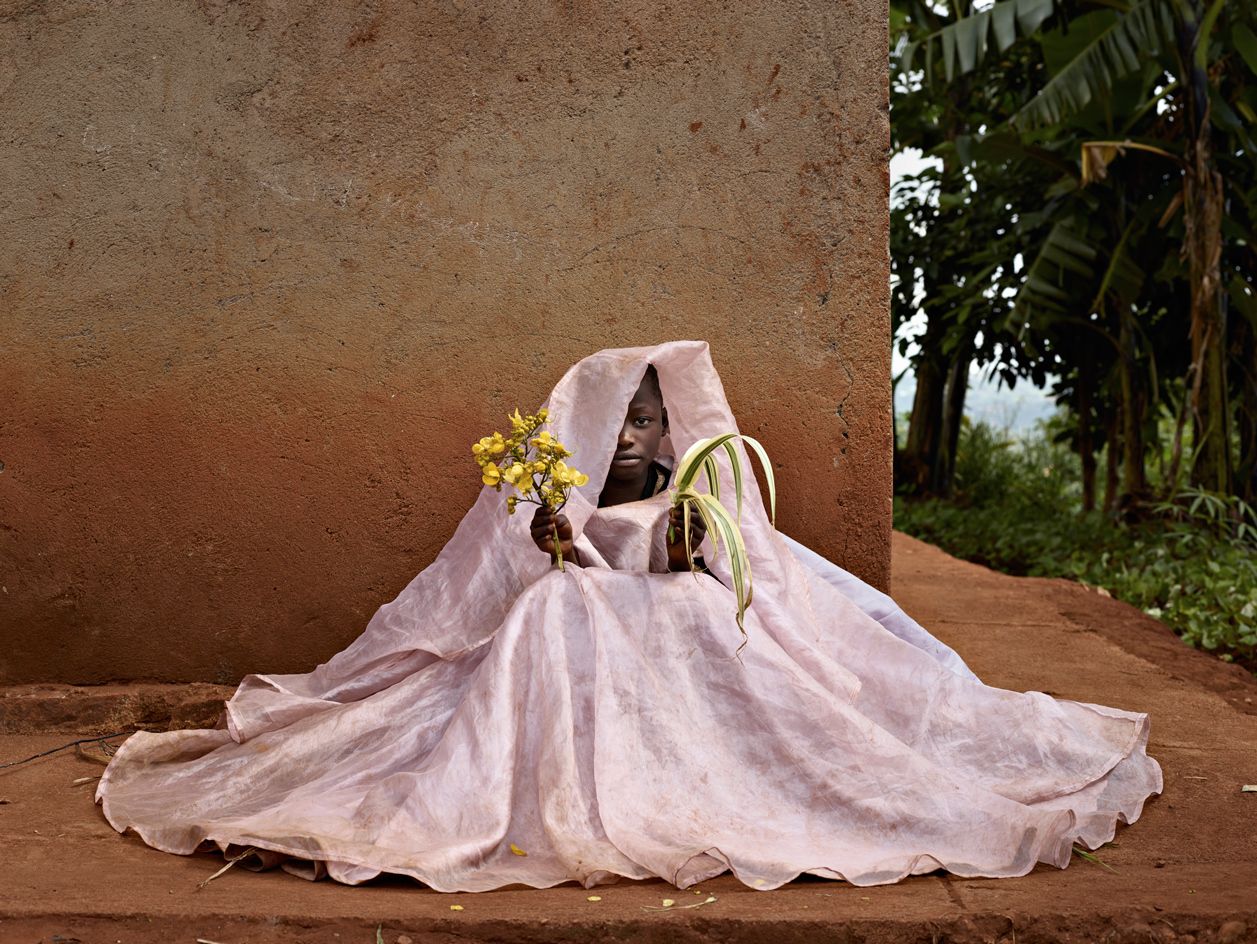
(601, 721)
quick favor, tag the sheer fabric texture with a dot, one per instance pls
(599, 721)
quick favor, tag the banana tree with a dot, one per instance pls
(1185, 52)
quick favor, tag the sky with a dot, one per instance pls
(1013, 410)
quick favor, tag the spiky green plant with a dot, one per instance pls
(698, 462)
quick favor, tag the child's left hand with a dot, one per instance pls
(677, 558)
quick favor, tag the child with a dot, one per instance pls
(634, 476)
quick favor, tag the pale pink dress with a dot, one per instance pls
(599, 721)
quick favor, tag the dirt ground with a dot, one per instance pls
(1185, 872)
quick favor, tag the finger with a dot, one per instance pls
(564, 526)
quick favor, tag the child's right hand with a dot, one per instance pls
(544, 523)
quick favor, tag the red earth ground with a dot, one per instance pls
(1185, 872)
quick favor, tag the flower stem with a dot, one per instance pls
(558, 548)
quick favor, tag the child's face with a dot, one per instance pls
(644, 426)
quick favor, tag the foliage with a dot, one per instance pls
(700, 460)
(1193, 564)
(1095, 207)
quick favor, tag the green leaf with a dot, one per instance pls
(964, 149)
(1004, 24)
(1206, 29)
(909, 53)
(965, 43)
(698, 456)
(1032, 13)
(1245, 41)
(1113, 54)
(700, 459)
(1223, 114)
(1062, 258)
(723, 530)
(948, 37)
(971, 40)
(770, 481)
(1123, 278)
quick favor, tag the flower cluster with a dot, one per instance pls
(529, 461)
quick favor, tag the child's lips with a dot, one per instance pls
(623, 461)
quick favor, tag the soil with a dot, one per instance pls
(1185, 872)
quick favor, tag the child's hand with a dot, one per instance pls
(677, 558)
(543, 525)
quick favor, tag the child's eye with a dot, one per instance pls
(642, 421)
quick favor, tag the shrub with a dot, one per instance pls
(1192, 563)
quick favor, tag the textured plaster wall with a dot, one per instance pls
(267, 268)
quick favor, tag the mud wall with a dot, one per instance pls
(267, 268)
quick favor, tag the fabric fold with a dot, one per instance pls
(500, 722)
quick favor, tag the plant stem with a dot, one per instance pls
(558, 547)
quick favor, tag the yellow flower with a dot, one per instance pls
(516, 459)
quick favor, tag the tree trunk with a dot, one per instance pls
(1086, 441)
(1112, 450)
(1133, 409)
(1246, 467)
(920, 452)
(1202, 214)
(957, 384)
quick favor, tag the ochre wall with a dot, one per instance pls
(267, 269)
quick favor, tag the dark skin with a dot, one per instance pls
(645, 425)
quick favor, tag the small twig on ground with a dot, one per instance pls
(230, 862)
(63, 747)
(698, 904)
(83, 780)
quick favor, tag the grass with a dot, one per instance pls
(1190, 562)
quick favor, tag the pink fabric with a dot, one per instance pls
(599, 720)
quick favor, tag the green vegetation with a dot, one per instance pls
(1017, 507)
(1091, 227)
(1088, 224)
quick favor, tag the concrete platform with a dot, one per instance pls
(1186, 872)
